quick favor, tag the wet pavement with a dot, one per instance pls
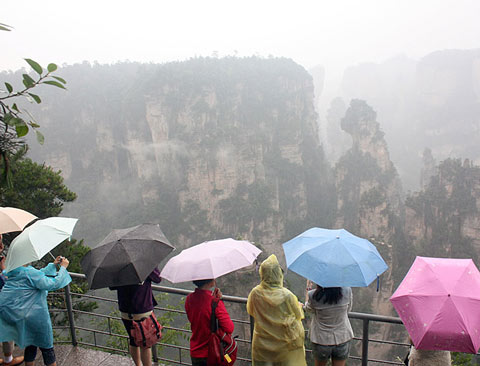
(68, 355)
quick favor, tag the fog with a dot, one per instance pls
(334, 34)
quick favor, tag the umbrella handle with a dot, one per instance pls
(378, 282)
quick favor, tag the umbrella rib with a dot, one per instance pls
(130, 259)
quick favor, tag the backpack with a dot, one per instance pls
(222, 347)
(146, 332)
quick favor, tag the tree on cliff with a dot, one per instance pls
(36, 188)
(444, 205)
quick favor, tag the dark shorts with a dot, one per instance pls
(48, 354)
(338, 352)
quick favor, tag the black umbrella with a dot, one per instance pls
(126, 256)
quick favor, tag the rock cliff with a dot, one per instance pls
(207, 147)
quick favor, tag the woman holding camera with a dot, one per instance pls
(24, 315)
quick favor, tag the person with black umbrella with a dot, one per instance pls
(126, 261)
(136, 302)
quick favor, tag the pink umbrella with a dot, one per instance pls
(439, 304)
(210, 259)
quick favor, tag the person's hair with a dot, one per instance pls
(200, 283)
(330, 295)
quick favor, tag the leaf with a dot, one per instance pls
(36, 98)
(22, 129)
(17, 121)
(7, 119)
(51, 67)
(9, 87)
(34, 66)
(40, 137)
(28, 81)
(59, 79)
(55, 83)
(34, 125)
(15, 108)
(5, 27)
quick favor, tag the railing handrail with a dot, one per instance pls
(243, 300)
(364, 317)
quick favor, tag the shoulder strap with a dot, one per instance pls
(213, 318)
(144, 339)
(155, 322)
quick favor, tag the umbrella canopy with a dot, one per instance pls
(334, 258)
(126, 256)
(438, 302)
(37, 240)
(210, 259)
(14, 219)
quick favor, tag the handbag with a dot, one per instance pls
(146, 332)
(222, 347)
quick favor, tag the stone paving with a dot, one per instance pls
(68, 355)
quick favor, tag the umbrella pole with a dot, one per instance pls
(51, 255)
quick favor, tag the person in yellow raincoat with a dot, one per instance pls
(278, 336)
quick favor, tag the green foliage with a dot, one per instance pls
(355, 116)
(372, 198)
(73, 250)
(357, 168)
(13, 117)
(16, 122)
(461, 359)
(447, 201)
(250, 203)
(36, 188)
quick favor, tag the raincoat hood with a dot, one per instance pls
(271, 273)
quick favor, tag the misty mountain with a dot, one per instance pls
(433, 103)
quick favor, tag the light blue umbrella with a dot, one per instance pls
(334, 258)
(37, 240)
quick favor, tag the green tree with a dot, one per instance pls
(37, 188)
(15, 121)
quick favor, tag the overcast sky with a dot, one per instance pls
(334, 33)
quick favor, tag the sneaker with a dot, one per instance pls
(16, 361)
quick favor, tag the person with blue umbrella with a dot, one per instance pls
(335, 260)
(330, 331)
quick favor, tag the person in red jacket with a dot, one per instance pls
(198, 306)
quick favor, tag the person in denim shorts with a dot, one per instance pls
(330, 330)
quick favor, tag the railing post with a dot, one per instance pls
(154, 353)
(365, 342)
(252, 327)
(68, 300)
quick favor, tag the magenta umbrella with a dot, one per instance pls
(209, 260)
(438, 302)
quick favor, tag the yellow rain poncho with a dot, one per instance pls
(278, 336)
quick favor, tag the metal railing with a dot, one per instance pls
(92, 337)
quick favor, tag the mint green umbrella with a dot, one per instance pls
(37, 240)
